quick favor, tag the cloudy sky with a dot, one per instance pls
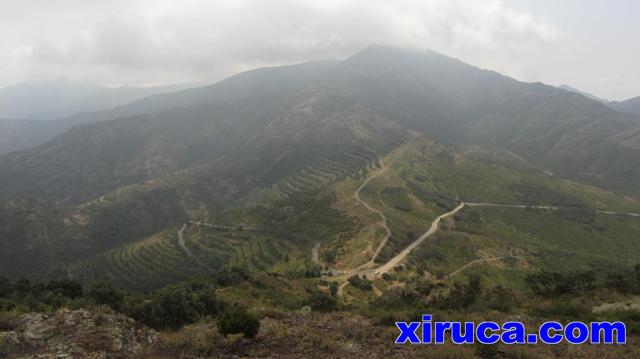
(591, 45)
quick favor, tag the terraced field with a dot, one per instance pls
(158, 260)
(247, 249)
(142, 265)
(349, 161)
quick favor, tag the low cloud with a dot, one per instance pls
(145, 42)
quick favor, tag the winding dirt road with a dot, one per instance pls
(383, 218)
(187, 251)
(433, 229)
(435, 225)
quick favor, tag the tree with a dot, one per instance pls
(323, 302)
(333, 289)
(104, 293)
(360, 283)
(66, 288)
(174, 306)
(236, 320)
(462, 296)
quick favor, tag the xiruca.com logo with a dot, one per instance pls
(513, 332)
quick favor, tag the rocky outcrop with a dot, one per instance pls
(75, 334)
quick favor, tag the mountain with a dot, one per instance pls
(631, 105)
(120, 182)
(427, 92)
(25, 107)
(23, 134)
(585, 94)
(46, 100)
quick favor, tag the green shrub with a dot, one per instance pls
(323, 302)
(236, 320)
(360, 283)
(174, 306)
(461, 296)
(104, 293)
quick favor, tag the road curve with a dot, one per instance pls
(187, 251)
(383, 218)
(434, 227)
(388, 266)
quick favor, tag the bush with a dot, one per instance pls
(174, 306)
(500, 298)
(551, 284)
(104, 293)
(333, 289)
(323, 302)
(8, 322)
(236, 320)
(461, 296)
(66, 288)
(360, 283)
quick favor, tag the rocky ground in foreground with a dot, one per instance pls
(302, 334)
(75, 334)
(344, 335)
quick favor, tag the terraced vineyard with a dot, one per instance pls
(247, 249)
(145, 264)
(349, 161)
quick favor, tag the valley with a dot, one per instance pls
(372, 188)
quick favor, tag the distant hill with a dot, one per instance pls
(18, 135)
(631, 105)
(45, 100)
(585, 94)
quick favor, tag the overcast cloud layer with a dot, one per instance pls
(147, 42)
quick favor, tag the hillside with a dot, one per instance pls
(631, 105)
(278, 138)
(585, 94)
(297, 201)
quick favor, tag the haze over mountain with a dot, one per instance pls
(308, 191)
(352, 101)
(169, 157)
(34, 112)
(46, 100)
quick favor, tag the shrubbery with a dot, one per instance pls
(167, 308)
(174, 306)
(103, 293)
(236, 320)
(323, 302)
(360, 282)
(461, 295)
(550, 284)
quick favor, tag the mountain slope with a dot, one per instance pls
(359, 99)
(22, 134)
(457, 103)
(585, 94)
(631, 105)
(284, 133)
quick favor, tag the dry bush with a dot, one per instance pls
(8, 322)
